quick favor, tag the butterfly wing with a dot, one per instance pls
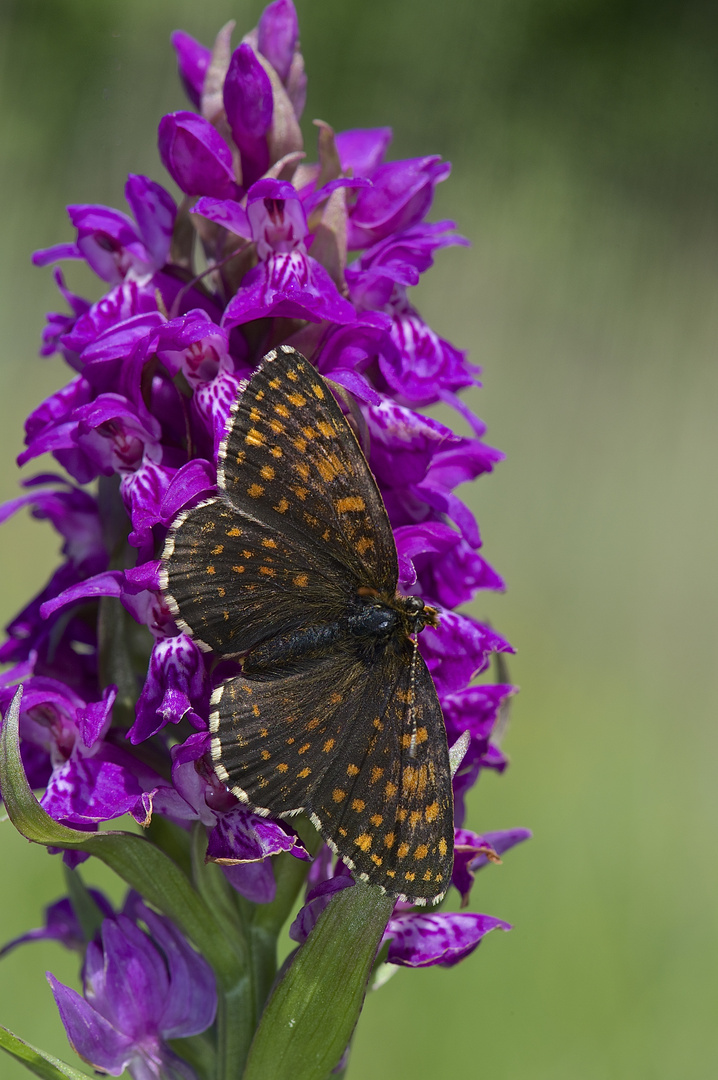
(395, 824)
(335, 740)
(291, 461)
(233, 581)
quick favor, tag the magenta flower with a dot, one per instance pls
(272, 244)
(140, 990)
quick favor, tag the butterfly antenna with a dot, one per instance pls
(412, 694)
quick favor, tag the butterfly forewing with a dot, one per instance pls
(235, 581)
(291, 460)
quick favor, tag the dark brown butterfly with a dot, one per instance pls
(292, 570)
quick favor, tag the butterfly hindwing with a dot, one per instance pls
(291, 460)
(273, 739)
(337, 740)
(385, 804)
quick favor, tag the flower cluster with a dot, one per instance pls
(262, 248)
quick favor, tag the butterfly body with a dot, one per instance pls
(292, 571)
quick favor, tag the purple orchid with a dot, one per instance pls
(287, 282)
(417, 938)
(114, 246)
(241, 842)
(93, 777)
(141, 989)
(271, 245)
(61, 925)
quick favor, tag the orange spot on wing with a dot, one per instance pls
(328, 745)
(301, 580)
(352, 770)
(338, 795)
(218, 550)
(255, 491)
(358, 805)
(363, 841)
(234, 531)
(267, 472)
(351, 502)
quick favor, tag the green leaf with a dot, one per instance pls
(142, 865)
(87, 912)
(312, 1013)
(37, 1061)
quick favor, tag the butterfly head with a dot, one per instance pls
(416, 613)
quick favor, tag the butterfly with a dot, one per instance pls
(292, 571)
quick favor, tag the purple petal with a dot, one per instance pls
(109, 241)
(473, 851)
(226, 212)
(474, 709)
(46, 256)
(61, 925)
(248, 102)
(94, 720)
(88, 790)
(155, 211)
(289, 285)
(318, 899)
(276, 216)
(420, 940)
(192, 61)
(362, 149)
(457, 649)
(242, 837)
(401, 194)
(176, 684)
(90, 1035)
(191, 1003)
(196, 156)
(254, 881)
(277, 36)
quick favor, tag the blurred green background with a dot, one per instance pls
(585, 150)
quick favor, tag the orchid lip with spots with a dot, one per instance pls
(144, 693)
